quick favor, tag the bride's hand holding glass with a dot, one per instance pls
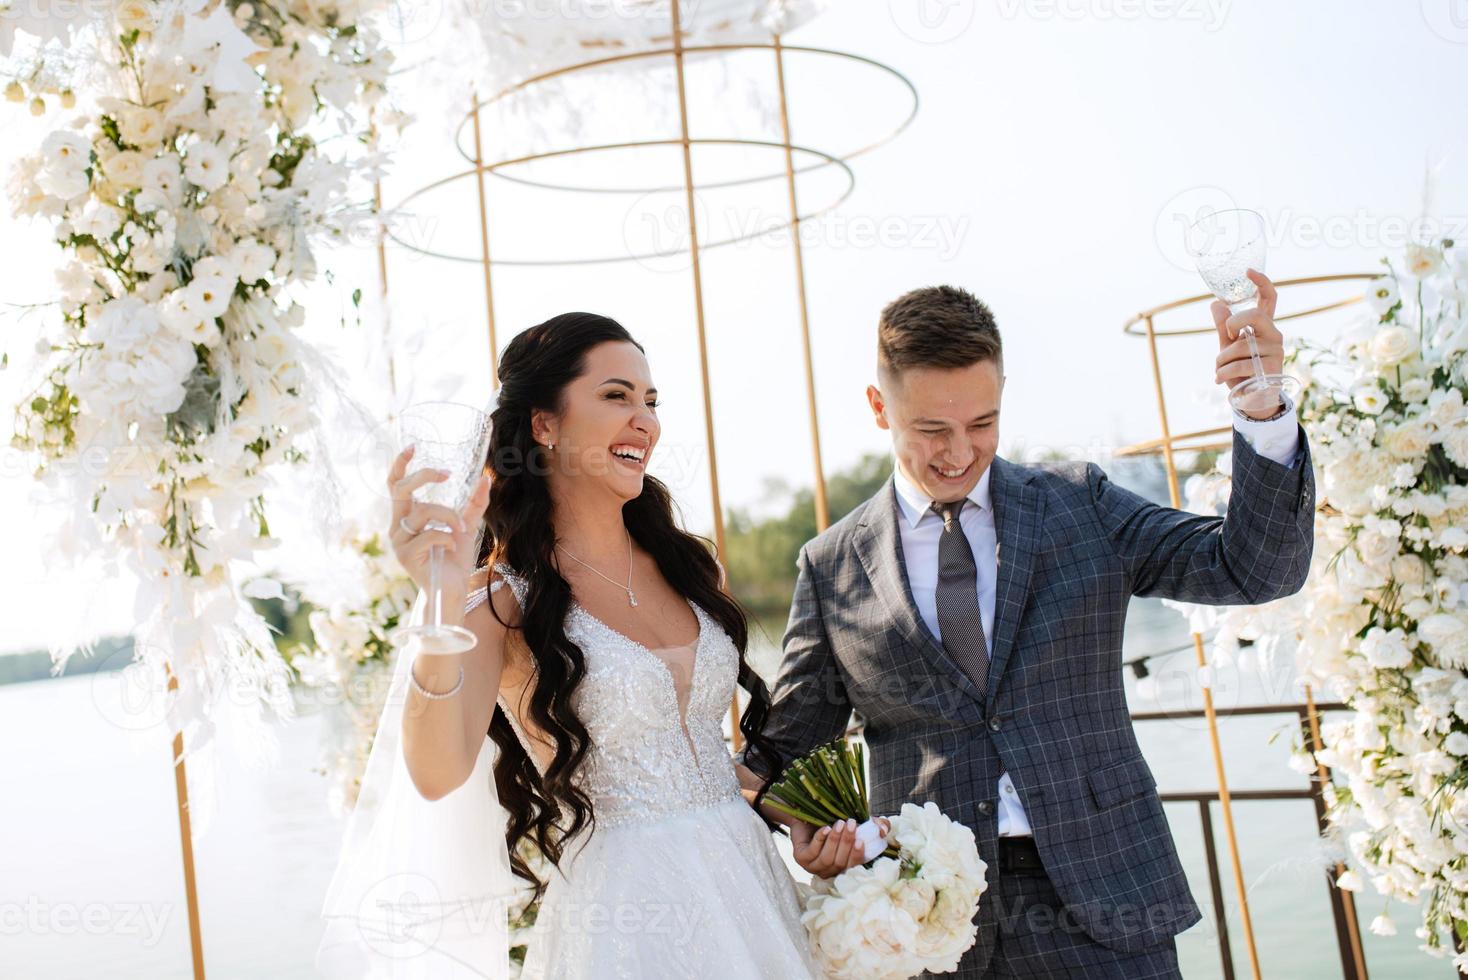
(412, 539)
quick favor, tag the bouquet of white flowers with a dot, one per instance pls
(908, 910)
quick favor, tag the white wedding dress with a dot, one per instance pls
(680, 877)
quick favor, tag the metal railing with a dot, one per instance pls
(1342, 905)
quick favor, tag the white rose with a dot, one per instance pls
(1454, 441)
(150, 200)
(99, 220)
(1456, 743)
(916, 897)
(141, 126)
(1445, 407)
(62, 183)
(234, 113)
(1392, 345)
(206, 166)
(253, 259)
(1415, 389)
(1423, 260)
(1448, 637)
(1409, 569)
(124, 169)
(1376, 550)
(1386, 649)
(1408, 440)
(164, 175)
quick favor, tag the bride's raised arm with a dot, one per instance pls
(442, 737)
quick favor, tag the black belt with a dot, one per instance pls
(1019, 855)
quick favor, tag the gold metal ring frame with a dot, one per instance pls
(494, 168)
(525, 85)
(1144, 324)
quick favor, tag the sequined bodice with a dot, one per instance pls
(641, 766)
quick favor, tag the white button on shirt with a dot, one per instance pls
(921, 530)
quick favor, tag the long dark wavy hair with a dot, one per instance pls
(535, 370)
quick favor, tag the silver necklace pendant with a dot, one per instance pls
(631, 597)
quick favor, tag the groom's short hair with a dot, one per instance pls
(936, 326)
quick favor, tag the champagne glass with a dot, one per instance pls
(455, 438)
(1224, 246)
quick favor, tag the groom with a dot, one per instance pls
(971, 613)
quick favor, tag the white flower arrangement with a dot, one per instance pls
(1382, 623)
(185, 195)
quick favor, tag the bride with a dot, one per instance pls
(607, 657)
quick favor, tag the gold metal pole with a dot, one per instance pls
(1348, 898)
(1225, 805)
(703, 352)
(186, 837)
(823, 512)
(494, 350)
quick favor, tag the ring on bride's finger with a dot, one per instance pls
(403, 523)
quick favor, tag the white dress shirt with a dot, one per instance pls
(921, 530)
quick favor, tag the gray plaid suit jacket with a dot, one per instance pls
(1073, 548)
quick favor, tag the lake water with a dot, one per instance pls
(91, 883)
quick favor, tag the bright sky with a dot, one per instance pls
(1057, 148)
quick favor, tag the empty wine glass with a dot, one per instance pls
(1224, 246)
(455, 438)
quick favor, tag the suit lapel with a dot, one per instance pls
(879, 545)
(1019, 512)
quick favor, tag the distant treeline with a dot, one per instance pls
(762, 552)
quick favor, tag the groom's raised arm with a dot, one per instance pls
(1259, 551)
(809, 703)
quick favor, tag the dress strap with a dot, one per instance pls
(518, 584)
(476, 597)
